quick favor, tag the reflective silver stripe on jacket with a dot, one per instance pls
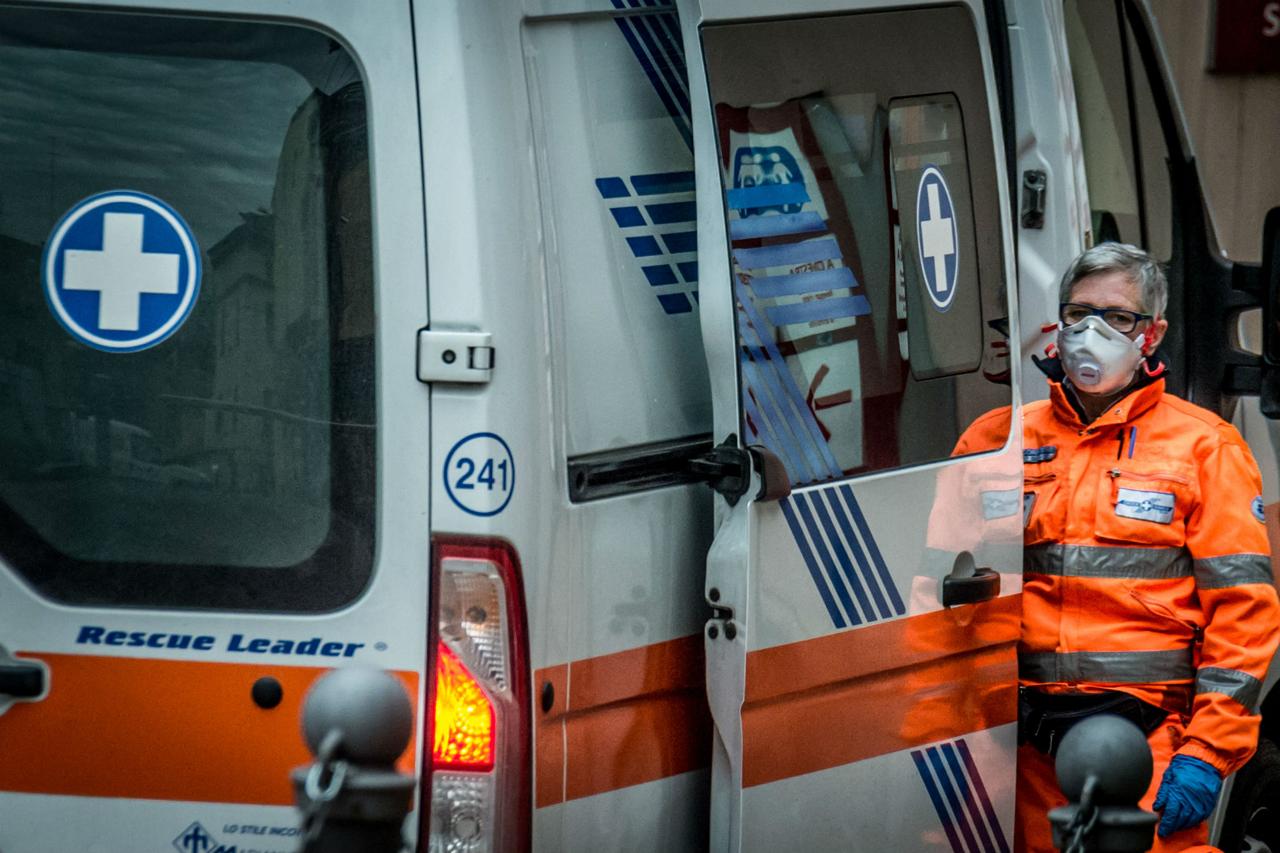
(1232, 570)
(1240, 686)
(1101, 561)
(1106, 667)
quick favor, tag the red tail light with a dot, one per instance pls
(463, 734)
(478, 794)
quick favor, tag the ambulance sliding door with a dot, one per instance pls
(214, 448)
(857, 307)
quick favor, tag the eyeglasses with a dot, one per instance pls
(1119, 319)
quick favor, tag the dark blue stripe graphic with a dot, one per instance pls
(670, 212)
(864, 530)
(681, 241)
(943, 816)
(645, 244)
(826, 531)
(643, 247)
(842, 555)
(953, 800)
(825, 557)
(980, 787)
(824, 592)
(661, 183)
(627, 217)
(960, 798)
(656, 44)
(659, 275)
(864, 570)
(675, 303)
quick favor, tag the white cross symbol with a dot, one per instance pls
(935, 237)
(121, 272)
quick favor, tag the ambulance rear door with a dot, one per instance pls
(856, 272)
(214, 446)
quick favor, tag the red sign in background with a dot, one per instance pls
(1246, 36)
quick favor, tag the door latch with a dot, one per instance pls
(1034, 182)
(447, 356)
(721, 617)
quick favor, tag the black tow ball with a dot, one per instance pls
(1104, 768)
(356, 722)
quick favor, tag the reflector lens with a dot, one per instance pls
(464, 732)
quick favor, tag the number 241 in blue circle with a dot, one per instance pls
(486, 476)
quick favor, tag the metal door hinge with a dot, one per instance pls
(446, 356)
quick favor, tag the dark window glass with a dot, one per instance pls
(1125, 159)
(864, 228)
(232, 464)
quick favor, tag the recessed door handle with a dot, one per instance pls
(21, 680)
(982, 585)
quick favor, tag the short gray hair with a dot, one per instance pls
(1138, 266)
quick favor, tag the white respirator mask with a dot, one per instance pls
(1097, 358)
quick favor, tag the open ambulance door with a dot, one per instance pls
(856, 292)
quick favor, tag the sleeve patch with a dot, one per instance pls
(1257, 508)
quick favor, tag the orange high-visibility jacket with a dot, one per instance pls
(1147, 564)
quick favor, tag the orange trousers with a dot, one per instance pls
(1038, 792)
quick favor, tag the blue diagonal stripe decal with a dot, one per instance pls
(842, 555)
(824, 556)
(864, 569)
(980, 788)
(960, 798)
(944, 817)
(839, 538)
(824, 591)
(899, 607)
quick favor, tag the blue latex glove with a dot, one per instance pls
(1188, 791)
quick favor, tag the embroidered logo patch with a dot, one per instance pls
(1033, 455)
(1257, 509)
(1000, 504)
(1145, 506)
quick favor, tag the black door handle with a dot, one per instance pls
(982, 585)
(21, 680)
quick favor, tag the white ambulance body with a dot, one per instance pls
(437, 320)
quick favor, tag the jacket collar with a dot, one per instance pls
(1144, 394)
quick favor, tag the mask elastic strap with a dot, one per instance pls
(1146, 341)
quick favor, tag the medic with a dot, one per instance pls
(1147, 586)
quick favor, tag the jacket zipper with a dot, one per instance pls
(1116, 474)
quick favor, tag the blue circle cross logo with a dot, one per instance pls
(937, 238)
(121, 271)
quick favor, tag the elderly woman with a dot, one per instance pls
(1147, 588)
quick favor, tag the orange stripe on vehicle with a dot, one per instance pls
(160, 730)
(858, 694)
(631, 717)
(641, 715)
(548, 733)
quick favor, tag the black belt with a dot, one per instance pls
(1045, 718)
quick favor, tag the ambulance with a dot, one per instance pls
(592, 366)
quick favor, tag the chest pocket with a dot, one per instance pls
(1040, 510)
(1144, 507)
